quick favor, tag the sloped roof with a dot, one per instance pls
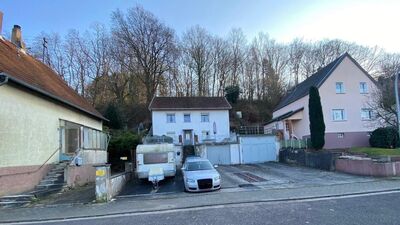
(185, 103)
(25, 70)
(284, 116)
(317, 79)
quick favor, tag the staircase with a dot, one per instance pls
(53, 182)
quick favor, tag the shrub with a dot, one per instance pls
(384, 137)
(121, 144)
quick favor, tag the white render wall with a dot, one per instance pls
(220, 117)
(29, 127)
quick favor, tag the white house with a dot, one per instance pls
(190, 120)
(42, 121)
(345, 89)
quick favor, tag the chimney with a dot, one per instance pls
(1, 22)
(16, 36)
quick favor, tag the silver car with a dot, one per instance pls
(200, 175)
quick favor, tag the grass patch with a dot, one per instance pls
(377, 151)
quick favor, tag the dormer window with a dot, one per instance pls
(339, 88)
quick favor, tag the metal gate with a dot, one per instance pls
(219, 154)
(257, 149)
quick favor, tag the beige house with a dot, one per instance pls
(345, 89)
(42, 122)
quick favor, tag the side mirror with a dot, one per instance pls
(215, 166)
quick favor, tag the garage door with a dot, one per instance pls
(219, 154)
(257, 149)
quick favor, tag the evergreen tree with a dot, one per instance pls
(317, 125)
(232, 93)
(113, 115)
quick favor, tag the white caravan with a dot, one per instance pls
(155, 162)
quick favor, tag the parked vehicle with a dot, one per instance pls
(200, 175)
(155, 162)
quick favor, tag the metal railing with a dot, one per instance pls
(251, 130)
(32, 171)
(293, 143)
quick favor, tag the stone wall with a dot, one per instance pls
(367, 167)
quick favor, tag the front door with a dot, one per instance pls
(187, 137)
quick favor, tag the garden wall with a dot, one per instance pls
(367, 167)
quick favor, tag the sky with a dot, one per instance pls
(366, 22)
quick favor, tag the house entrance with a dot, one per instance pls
(187, 137)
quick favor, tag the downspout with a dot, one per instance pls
(3, 79)
(396, 91)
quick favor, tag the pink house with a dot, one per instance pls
(345, 89)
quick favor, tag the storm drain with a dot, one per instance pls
(251, 178)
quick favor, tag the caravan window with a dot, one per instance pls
(154, 158)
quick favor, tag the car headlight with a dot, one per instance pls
(217, 178)
(190, 180)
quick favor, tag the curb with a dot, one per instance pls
(198, 207)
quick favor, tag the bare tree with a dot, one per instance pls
(196, 50)
(150, 42)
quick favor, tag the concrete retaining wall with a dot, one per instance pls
(79, 175)
(108, 186)
(368, 167)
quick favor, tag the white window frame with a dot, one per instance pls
(340, 135)
(172, 116)
(367, 111)
(206, 115)
(185, 116)
(363, 88)
(341, 90)
(343, 115)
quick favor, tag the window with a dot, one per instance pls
(338, 114)
(340, 135)
(186, 118)
(170, 118)
(205, 117)
(205, 134)
(366, 114)
(363, 88)
(339, 88)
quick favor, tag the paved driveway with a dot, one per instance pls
(253, 176)
(277, 175)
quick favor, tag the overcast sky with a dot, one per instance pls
(365, 22)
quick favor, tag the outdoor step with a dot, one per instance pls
(55, 172)
(10, 204)
(61, 170)
(49, 186)
(9, 198)
(52, 181)
(45, 192)
(58, 177)
(55, 175)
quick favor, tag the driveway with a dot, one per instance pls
(276, 175)
(269, 175)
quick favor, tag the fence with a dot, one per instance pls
(251, 130)
(292, 143)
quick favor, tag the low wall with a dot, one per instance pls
(14, 180)
(79, 175)
(117, 183)
(108, 186)
(320, 160)
(368, 167)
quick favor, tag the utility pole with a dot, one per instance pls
(396, 92)
(44, 50)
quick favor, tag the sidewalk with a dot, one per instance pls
(179, 201)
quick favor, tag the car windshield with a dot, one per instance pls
(200, 165)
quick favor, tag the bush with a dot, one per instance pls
(384, 137)
(121, 144)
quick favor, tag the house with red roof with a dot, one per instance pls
(44, 125)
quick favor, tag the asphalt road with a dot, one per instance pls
(379, 209)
